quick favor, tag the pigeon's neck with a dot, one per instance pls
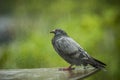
(60, 35)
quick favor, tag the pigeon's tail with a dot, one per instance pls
(98, 64)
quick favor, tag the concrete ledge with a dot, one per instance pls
(45, 74)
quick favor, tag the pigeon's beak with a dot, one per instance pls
(53, 31)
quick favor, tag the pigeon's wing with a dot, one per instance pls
(72, 52)
(68, 46)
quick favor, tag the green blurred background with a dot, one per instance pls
(25, 41)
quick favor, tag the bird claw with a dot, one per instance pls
(66, 69)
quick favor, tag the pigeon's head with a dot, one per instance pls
(58, 32)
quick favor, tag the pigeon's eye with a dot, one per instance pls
(56, 30)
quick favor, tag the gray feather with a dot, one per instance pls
(71, 51)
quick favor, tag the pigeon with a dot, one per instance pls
(72, 52)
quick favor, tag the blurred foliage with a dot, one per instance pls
(25, 27)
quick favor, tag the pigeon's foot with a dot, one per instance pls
(67, 69)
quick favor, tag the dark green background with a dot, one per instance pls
(26, 42)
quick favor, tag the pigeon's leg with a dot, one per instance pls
(67, 69)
